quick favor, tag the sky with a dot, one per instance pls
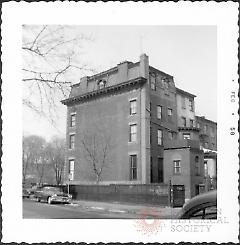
(188, 53)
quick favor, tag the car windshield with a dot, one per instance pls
(53, 189)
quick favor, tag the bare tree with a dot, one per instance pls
(33, 156)
(51, 62)
(97, 149)
(40, 166)
(26, 158)
(56, 153)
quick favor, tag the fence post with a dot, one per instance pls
(170, 193)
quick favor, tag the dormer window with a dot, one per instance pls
(101, 84)
(165, 82)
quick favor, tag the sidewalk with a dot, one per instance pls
(142, 210)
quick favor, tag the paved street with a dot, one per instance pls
(93, 210)
(35, 210)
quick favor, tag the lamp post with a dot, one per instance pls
(69, 179)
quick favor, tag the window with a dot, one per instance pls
(159, 112)
(72, 120)
(101, 84)
(153, 82)
(159, 136)
(198, 125)
(71, 141)
(177, 167)
(212, 131)
(205, 128)
(184, 122)
(186, 136)
(197, 166)
(150, 108)
(191, 105)
(170, 135)
(191, 123)
(71, 169)
(133, 133)
(183, 102)
(205, 169)
(169, 112)
(133, 107)
(133, 167)
(165, 83)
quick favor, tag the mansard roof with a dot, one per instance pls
(104, 91)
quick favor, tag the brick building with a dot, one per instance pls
(208, 143)
(123, 123)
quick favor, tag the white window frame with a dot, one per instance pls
(132, 134)
(170, 135)
(71, 169)
(191, 122)
(133, 106)
(205, 128)
(133, 168)
(186, 134)
(183, 102)
(185, 121)
(159, 136)
(153, 82)
(170, 112)
(191, 104)
(205, 168)
(159, 112)
(71, 121)
(101, 84)
(176, 166)
(72, 146)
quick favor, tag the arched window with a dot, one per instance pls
(101, 84)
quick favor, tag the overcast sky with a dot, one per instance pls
(189, 53)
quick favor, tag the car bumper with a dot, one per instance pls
(61, 199)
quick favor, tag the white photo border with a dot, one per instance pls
(224, 15)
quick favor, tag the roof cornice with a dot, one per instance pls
(106, 90)
(180, 91)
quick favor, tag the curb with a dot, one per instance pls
(111, 210)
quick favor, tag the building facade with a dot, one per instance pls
(122, 124)
(208, 143)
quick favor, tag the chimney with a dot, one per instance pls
(144, 66)
(83, 83)
(122, 72)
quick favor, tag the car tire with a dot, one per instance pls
(49, 200)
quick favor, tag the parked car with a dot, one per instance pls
(52, 194)
(203, 206)
(25, 193)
